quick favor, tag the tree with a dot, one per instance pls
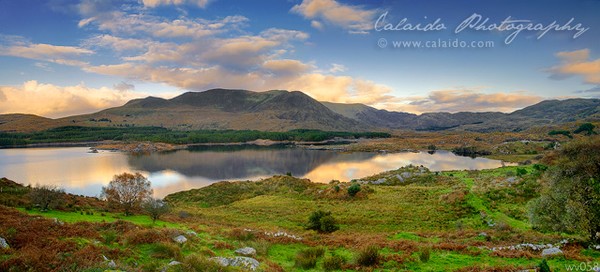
(588, 128)
(155, 208)
(570, 199)
(127, 190)
(46, 197)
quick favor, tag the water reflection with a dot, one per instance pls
(83, 173)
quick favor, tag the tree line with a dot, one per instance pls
(158, 134)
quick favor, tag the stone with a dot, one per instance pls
(551, 252)
(483, 234)
(242, 262)
(112, 264)
(58, 222)
(180, 239)
(172, 263)
(246, 251)
(191, 233)
(3, 243)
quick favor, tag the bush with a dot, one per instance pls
(195, 262)
(353, 189)
(307, 258)
(543, 266)
(322, 222)
(521, 172)
(369, 256)
(166, 251)
(424, 255)
(110, 237)
(241, 235)
(46, 197)
(333, 262)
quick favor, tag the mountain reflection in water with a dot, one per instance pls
(83, 173)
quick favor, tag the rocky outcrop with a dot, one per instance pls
(242, 262)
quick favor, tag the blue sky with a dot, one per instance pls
(63, 57)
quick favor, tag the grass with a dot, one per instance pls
(97, 217)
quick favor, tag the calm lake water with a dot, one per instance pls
(80, 172)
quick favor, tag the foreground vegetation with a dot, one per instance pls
(158, 134)
(409, 219)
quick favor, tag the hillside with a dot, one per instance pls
(277, 110)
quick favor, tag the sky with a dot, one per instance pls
(66, 57)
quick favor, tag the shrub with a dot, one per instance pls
(521, 172)
(46, 197)
(369, 256)
(110, 237)
(333, 262)
(307, 258)
(146, 236)
(543, 266)
(353, 189)
(424, 255)
(166, 251)
(195, 262)
(155, 208)
(322, 222)
(241, 235)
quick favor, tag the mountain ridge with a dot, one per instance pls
(280, 110)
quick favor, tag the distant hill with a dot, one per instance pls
(225, 109)
(283, 110)
(402, 120)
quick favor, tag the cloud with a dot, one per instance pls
(316, 24)
(124, 86)
(337, 68)
(155, 3)
(56, 101)
(17, 46)
(595, 89)
(355, 19)
(116, 43)
(577, 63)
(466, 100)
(286, 67)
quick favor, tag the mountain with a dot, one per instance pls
(225, 109)
(282, 111)
(548, 112)
(402, 120)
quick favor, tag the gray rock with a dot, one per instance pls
(483, 234)
(180, 239)
(551, 252)
(406, 174)
(58, 222)
(172, 263)
(379, 181)
(112, 264)
(243, 262)
(246, 251)
(191, 233)
(596, 269)
(3, 243)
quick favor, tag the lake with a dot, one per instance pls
(80, 172)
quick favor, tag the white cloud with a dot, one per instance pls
(466, 100)
(57, 101)
(46, 52)
(577, 63)
(316, 24)
(155, 3)
(355, 19)
(337, 68)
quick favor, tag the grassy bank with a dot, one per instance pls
(414, 219)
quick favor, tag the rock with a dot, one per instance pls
(112, 264)
(3, 243)
(483, 234)
(191, 233)
(551, 252)
(180, 239)
(242, 262)
(58, 222)
(172, 263)
(379, 181)
(596, 269)
(246, 251)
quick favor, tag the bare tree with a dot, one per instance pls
(127, 190)
(155, 208)
(46, 197)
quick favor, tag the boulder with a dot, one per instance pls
(246, 251)
(553, 251)
(191, 233)
(3, 243)
(180, 239)
(242, 262)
